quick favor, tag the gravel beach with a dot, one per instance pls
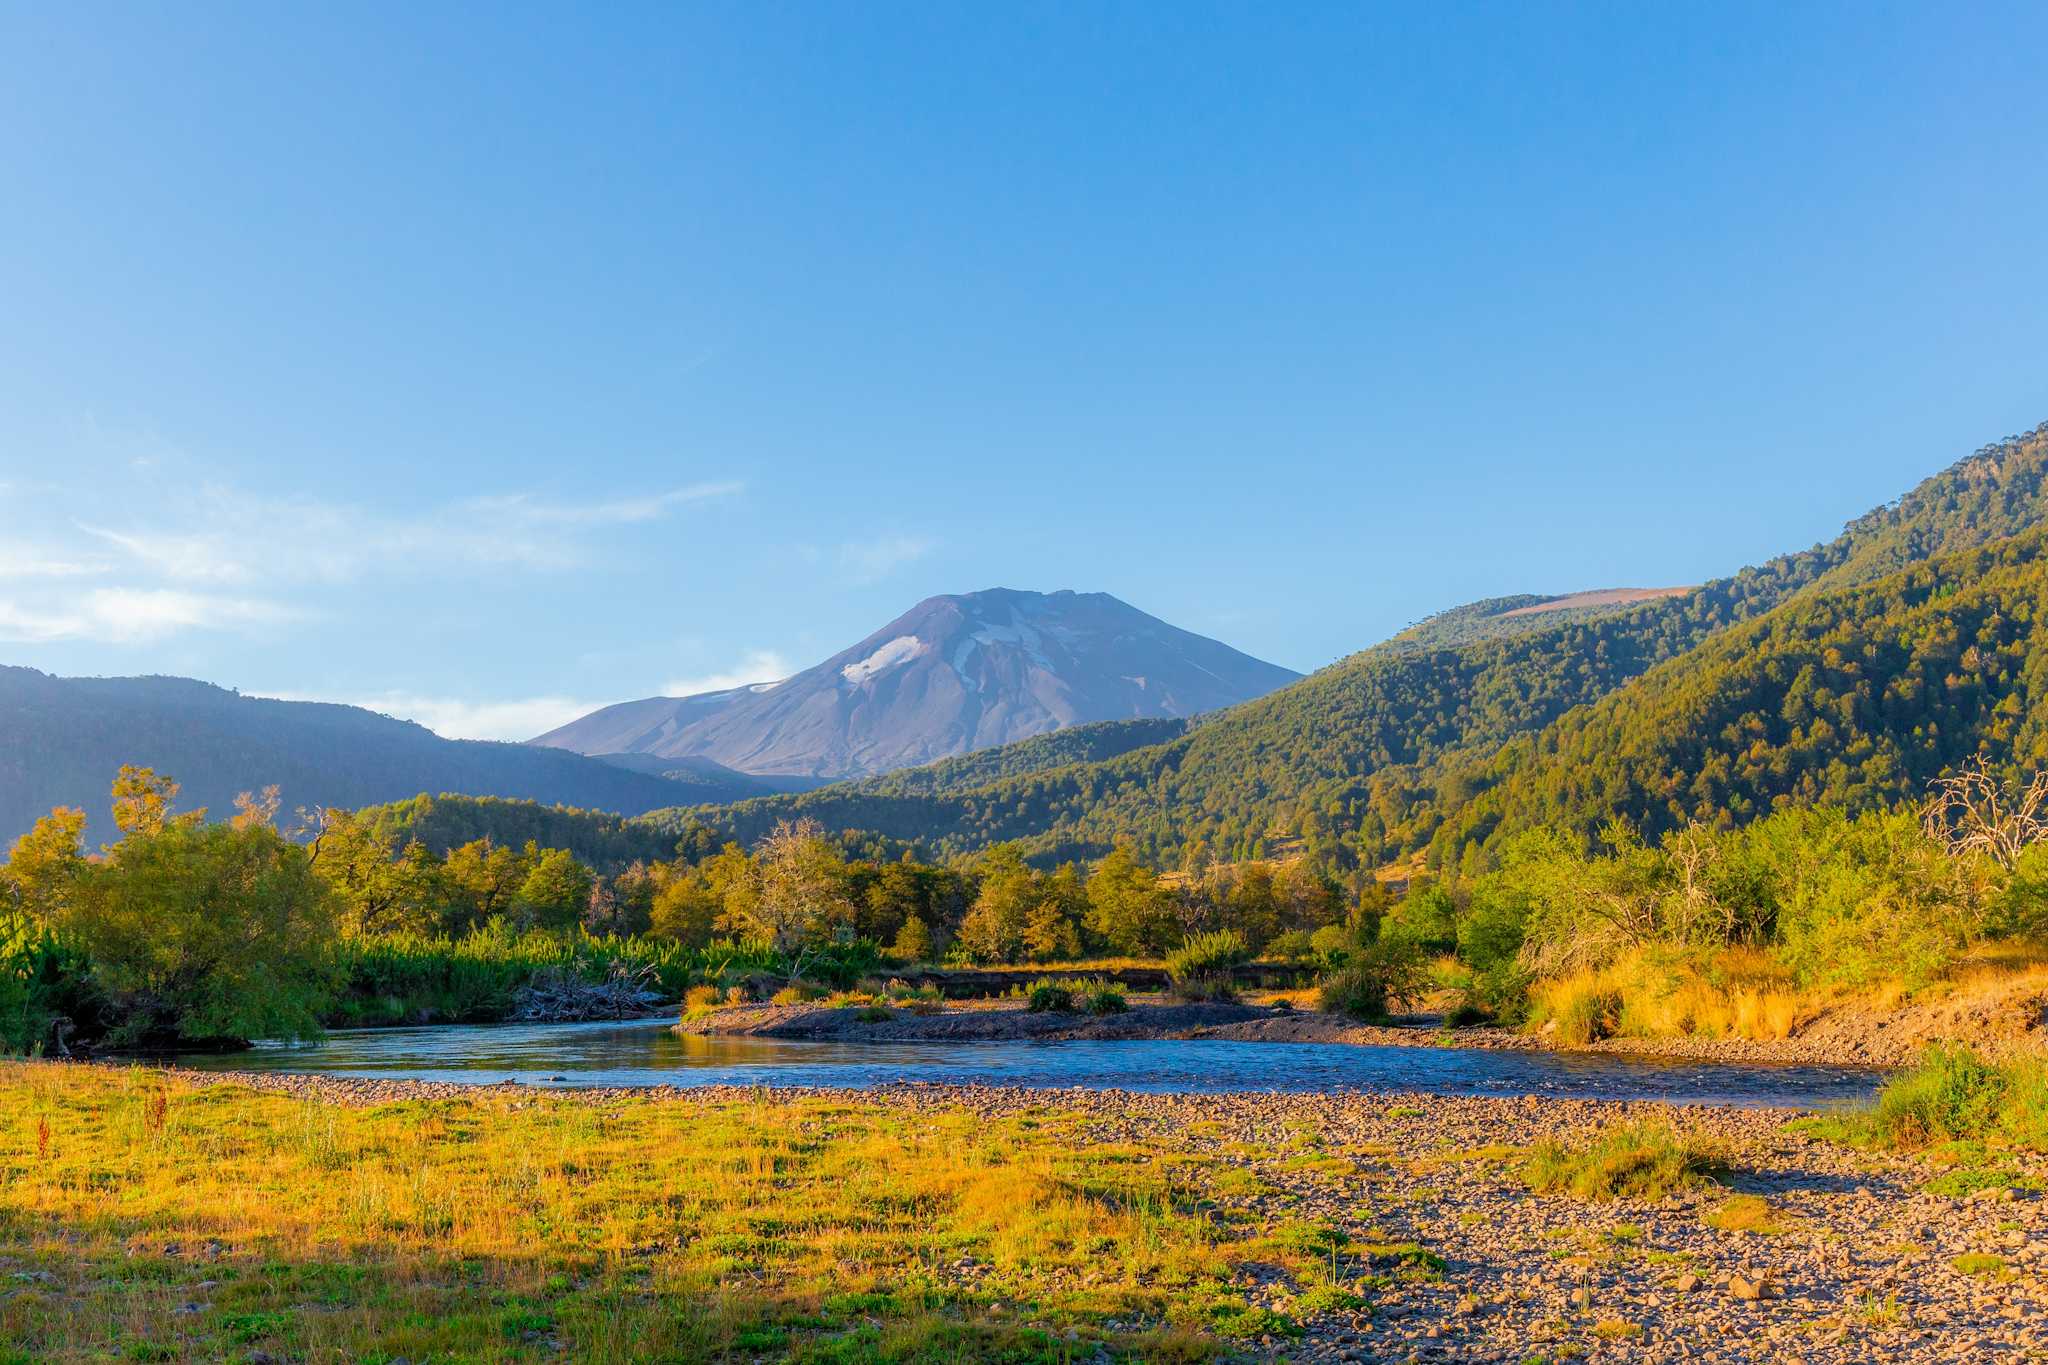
(1850, 1257)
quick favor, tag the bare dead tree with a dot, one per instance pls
(1971, 811)
(314, 823)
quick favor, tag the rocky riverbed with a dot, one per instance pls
(1825, 1254)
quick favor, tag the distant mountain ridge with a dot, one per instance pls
(62, 739)
(953, 675)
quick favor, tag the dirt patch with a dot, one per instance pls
(1599, 597)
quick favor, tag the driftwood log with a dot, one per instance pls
(558, 996)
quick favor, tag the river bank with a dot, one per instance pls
(1311, 1227)
(2001, 1015)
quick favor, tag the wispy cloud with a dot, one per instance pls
(22, 561)
(866, 562)
(133, 615)
(759, 666)
(622, 511)
(224, 536)
(456, 718)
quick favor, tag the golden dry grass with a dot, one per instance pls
(1737, 993)
(145, 1218)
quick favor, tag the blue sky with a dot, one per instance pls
(487, 363)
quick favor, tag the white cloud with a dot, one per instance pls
(132, 615)
(652, 507)
(867, 562)
(22, 561)
(759, 666)
(454, 718)
(221, 535)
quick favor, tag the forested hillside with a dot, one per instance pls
(1855, 698)
(1302, 761)
(1081, 744)
(441, 823)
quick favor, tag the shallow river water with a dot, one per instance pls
(648, 1052)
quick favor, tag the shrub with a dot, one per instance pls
(1104, 997)
(1427, 918)
(1372, 980)
(796, 993)
(46, 994)
(1200, 968)
(1332, 944)
(1295, 945)
(1635, 1161)
(1047, 996)
(1952, 1095)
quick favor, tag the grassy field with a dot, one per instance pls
(145, 1219)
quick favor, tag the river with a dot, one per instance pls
(649, 1052)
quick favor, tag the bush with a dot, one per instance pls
(1332, 944)
(1047, 996)
(1372, 980)
(46, 994)
(1200, 968)
(1295, 945)
(1952, 1095)
(1104, 997)
(1633, 1161)
(1427, 918)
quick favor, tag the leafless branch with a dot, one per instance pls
(1970, 811)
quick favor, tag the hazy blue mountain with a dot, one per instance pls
(61, 740)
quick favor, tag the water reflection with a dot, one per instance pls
(649, 1053)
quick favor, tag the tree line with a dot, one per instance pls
(185, 929)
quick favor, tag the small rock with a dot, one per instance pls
(1466, 1307)
(1686, 1283)
(1744, 1287)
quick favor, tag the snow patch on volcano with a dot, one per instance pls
(897, 652)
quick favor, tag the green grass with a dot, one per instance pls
(1952, 1095)
(1631, 1161)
